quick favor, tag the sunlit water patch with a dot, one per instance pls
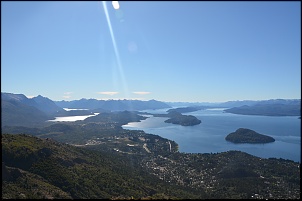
(73, 118)
(70, 109)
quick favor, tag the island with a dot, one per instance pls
(244, 135)
(178, 118)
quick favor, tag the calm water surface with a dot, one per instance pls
(72, 118)
(209, 136)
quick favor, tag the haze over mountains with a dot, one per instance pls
(97, 158)
(237, 103)
(18, 110)
(268, 109)
(42, 103)
(114, 105)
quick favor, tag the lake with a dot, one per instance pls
(72, 118)
(209, 136)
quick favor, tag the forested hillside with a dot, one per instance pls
(42, 168)
(244, 135)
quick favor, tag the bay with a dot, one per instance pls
(209, 136)
(72, 118)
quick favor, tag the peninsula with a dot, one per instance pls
(244, 135)
(188, 109)
(269, 108)
(178, 118)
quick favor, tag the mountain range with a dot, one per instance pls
(18, 110)
(113, 105)
(269, 108)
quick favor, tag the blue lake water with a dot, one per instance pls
(209, 136)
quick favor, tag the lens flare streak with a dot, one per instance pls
(120, 68)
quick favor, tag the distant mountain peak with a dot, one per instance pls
(11, 96)
(39, 97)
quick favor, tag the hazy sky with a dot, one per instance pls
(168, 51)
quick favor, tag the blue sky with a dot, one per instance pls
(169, 51)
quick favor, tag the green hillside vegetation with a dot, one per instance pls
(243, 135)
(41, 168)
(44, 168)
(20, 184)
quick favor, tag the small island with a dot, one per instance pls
(244, 135)
(178, 118)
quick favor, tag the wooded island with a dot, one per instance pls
(244, 135)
